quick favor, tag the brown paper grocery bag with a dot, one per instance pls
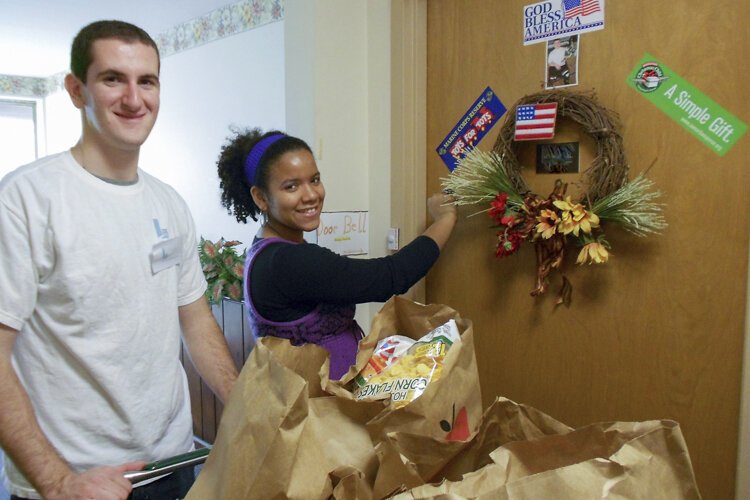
(349, 483)
(281, 436)
(289, 432)
(617, 460)
(450, 406)
(409, 460)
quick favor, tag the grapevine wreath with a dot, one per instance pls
(493, 179)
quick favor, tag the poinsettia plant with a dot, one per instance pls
(223, 267)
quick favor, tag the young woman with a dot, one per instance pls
(301, 291)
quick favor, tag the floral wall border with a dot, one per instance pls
(220, 23)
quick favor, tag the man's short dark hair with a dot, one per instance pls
(80, 51)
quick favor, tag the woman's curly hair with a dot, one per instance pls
(235, 188)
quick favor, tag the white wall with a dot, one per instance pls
(341, 101)
(235, 81)
(327, 64)
(62, 122)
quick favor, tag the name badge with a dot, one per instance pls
(166, 254)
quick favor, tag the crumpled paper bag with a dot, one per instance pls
(288, 431)
(612, 460)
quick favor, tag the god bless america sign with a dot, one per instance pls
(555, 18)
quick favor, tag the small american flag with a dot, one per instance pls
(575, 8)
(535, 121)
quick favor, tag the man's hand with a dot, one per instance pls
(99, 483)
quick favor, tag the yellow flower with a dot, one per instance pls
(567, 223)
(587, 221)
(565, 205)
(575, 218)
(593, 252)
(548, 221)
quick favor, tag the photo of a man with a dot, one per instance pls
(562, 62)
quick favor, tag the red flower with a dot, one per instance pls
(497, 206)
(508, 243)
(510, 220)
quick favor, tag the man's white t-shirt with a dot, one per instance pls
(556, 56)
(99, 335)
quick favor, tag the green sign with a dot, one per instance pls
(716, 127)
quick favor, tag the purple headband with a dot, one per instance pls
(256, 153)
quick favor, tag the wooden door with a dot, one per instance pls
(657, 332)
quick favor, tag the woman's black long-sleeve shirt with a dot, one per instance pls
(288, 281)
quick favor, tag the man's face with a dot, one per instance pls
(120, 98)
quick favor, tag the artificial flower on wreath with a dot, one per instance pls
(551, 223)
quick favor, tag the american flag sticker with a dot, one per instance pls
(573, 8)
(535, 121)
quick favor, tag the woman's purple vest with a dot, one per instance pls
(330, 326)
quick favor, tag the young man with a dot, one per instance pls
(99, 276)
(557, 63)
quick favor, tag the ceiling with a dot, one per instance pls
(35, 35)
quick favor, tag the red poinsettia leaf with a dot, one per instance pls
(208, 248)
(234, 291)
(217, 291)
(238, 269)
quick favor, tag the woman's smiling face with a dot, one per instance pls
(294, 197)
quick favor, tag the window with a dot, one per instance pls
(18, 134)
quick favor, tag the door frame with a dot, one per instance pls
(409, 122)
